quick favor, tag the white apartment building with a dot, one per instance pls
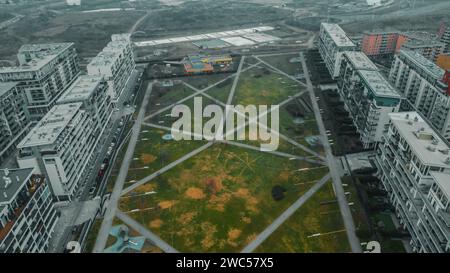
(414, 167)
(422, 84)
(13, 119)
(44, 72)
(368, 97)
(27, 214)
(333, 41)
(63, 143)
(116, 64)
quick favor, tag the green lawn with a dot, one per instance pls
(320, 214)
(285, 63)
(224, 182)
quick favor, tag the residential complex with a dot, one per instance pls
(429, 48)
(444, 35)
(368, 97)
(116, 64)
(376, 44)
(63, 143)
(423, 85)
(414, 166)
(333, 41)
(13, 119)
(44, 72)
(27, 213)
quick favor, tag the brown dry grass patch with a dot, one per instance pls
(166, 204)
(147, 158)
(155, 223)
(195, 193)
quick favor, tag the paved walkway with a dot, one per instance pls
(334, 171)
(285, 215)
(166, 168)
(103, 234)
(146, 233)
(198, 92)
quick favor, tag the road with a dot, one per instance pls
(145, 232)
(333, 165)
(285, 215)
(115, 195)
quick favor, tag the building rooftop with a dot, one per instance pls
(6, 86)
(378, 84)
(423, 63)
(360, 60)
(423, 140)
(51, 125)
(11, 182)
(81, 89)
(443, 180)
(338, 35)
(41, 54)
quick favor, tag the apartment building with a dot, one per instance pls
(333, 42)
(424, 85)
(381, 43)
(429, 48)
(116, 64)
(64, 142)
(414, 167)
(13, 119)
(43, 73)
(27, 214)
(368, 97)
(444, 35)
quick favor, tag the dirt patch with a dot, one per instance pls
(246, 220)
(252, 201)
(148, 158)
(147, 187)
(155, 223)
(284, 175)
(233, 234)
(195, 193)
(166, 204)
(218, 202)
(209, 230)
(214, 184)
(186, 218)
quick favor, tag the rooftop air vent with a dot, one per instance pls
(431, 148)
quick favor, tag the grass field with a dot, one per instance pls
(300, 232)
(285, 63)
(223, 182)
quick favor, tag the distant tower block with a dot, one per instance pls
(73, 2)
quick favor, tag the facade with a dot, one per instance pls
(368, 97)
(414, 168)
(375, 44)
(444, 35)
(423, 85)
(14, 123)
(429, 48)
(443, 61)
(333, 42)
(44, 72)
(27, 214)
(63, 143)
(116, 64)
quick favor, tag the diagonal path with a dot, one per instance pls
(282, 154)
(103, 234)
(167, 167)
(198, 92)
(282, 72)
(332, 163)
(285, 215)
(146, 233)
